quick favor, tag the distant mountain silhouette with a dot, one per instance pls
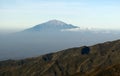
(98, 60)
(52, 25)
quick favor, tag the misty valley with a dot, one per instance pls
(23, 45)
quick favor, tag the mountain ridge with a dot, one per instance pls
(96, 60)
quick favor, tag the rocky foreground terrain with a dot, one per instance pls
(98, 60)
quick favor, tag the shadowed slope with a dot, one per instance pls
(95, 60)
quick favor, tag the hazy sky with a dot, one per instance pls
(21, 14)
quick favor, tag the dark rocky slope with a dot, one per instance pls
(98, 60)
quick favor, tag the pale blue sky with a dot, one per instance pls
(22, 14)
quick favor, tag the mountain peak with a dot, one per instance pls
(52, 25)
(56, 22)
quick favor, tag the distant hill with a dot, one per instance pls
(98, 60)
(52, 25)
